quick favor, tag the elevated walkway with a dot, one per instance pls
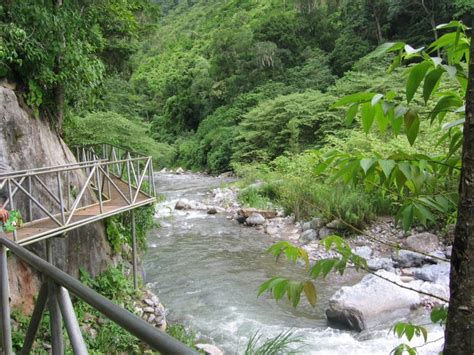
(105, 181)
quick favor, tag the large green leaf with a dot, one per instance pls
(387, 166)
(351, 112)
(310, 293)
(387, 47)
(367, 116)
(412, 125)
(431, 80)
(367, 163)
(415, 77)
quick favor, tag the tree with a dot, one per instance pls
(459, 328)
(388, 111)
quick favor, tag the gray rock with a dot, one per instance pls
(325, 232)
(371, 302)
(148, 310)
(405, 258)
(364, 252)
(149, 302)
(437, 273)
(151, 318)
(210, 349)
(255, 219)
(182, 204)
(422, 242)
(306, 226)
(375, 264)
(449, 251)
(336, 224)
(316, 223)
(212, 210)
(179, 171)
(308, 236)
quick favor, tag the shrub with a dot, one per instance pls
(115, 129)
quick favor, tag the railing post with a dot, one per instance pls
(129, 179)
(12, 204)
(5, 303)
(60, 196)
(70, 321)
(99, 190)
(57, 341)
(134, 250)
(35, 319)
(152, 179)
(30, 206)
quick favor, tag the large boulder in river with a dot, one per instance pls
(422, 242)
(406, 258)
(437, 273)
(371, 302)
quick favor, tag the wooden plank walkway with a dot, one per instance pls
(46, 228)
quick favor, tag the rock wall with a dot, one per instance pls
(26, 143)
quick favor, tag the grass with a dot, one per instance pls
(281, 344)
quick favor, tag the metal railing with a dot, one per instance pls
(54, 293)
(58, 194)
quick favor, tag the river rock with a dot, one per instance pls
(449, 251)
(325, 232)
(364, 252)
(422, 242)
(375, 264)
(308, 236)
(255, 219)
(316, 223)
(371, 302)
(210, 349)
(179, 171)
(306, 226)
(212, 210)
(247, 212)
(182, 204)
(336, 224)
(405, 258)
(437, 273)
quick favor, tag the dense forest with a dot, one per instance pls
(265, 89)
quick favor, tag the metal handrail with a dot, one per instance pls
(55, 290)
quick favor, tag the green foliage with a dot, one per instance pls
(115, 129)
(119, 228)
(291, 182)
(280, 344)
(14, 221)
(286, 124)
(420, 180)
(279, 286)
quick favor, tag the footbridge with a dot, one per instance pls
(104, 181)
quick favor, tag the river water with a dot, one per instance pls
(207, 270)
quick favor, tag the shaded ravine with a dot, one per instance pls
(207, 269)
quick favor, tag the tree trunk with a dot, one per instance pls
(459, 335)
(379, 29)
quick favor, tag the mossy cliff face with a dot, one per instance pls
(26, 143)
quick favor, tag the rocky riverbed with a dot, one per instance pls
(419, 263)
(371, 302)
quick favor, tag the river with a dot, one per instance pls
(207, 269)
